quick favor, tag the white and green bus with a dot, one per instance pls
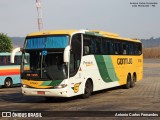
(66, 63)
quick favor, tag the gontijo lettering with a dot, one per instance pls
(121, 61)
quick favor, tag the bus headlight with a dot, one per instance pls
(24, 86)
(60, 86)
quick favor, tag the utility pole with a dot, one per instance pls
(39, 11)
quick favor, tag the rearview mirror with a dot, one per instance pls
(13, 53)
(66, 55)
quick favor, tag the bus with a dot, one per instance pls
(9, 73)
(66, 63)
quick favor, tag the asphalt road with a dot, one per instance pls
(145, 96)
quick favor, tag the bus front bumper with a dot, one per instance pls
(45, 92)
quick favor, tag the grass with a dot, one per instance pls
(151, 52)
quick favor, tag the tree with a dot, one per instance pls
(5, 43)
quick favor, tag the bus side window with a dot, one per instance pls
(93, 45)
(112, 47)
(104, 51)
(131, 49)
(1, 60)
(138, 49)
(117, 48)
(16, 60)
(5, 60)
(87, 45)
(8, 60)
(86, 50)
(98, 49)
(19, 60)
(106, 46)
(124, 49)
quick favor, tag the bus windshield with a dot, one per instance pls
(43, 58)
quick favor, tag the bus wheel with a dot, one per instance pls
(128, 84)
(88, 89)
(133, 80)
(8, 83)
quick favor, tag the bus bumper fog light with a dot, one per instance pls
(60, 86)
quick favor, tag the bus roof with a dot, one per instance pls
(53, 32)
(91, 32)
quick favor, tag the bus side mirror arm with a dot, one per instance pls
(66, 55)
(13, 53)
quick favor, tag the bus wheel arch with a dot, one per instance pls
(133, 79)
(8, 82)
(88, 89)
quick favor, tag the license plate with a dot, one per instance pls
(41, 92)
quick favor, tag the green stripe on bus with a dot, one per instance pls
(55, 82)
(51, 83)
(102, 68)
(110, 68)
(106, 68)
(46, 83)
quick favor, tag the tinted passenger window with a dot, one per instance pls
(117, 48)
(109, 46)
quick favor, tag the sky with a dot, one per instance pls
(19, 17)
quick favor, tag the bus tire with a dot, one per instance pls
(8, 83)
(88, 89)
(128, 83)
(133, 80)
